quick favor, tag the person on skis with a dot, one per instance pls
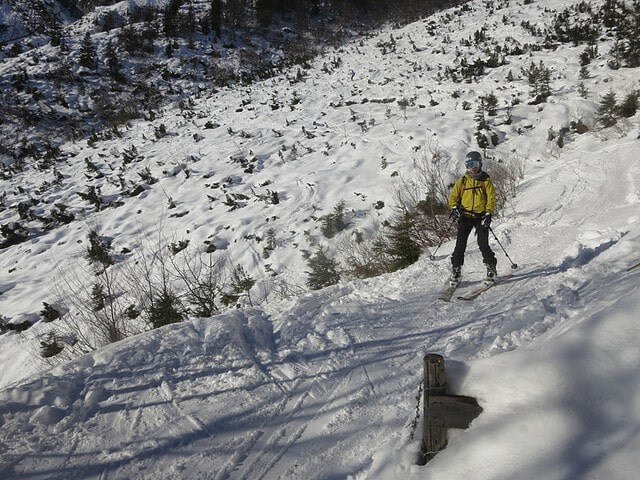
(472, 202)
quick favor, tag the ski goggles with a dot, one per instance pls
(472, 164)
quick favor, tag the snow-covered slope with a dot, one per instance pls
(327, 384)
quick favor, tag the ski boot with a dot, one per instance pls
(456, 275)
(492, 273)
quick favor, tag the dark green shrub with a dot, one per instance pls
(324, 270)
(165, 309)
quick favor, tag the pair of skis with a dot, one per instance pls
(448, 293)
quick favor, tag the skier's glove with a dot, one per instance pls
(455, 213)
(486, 220)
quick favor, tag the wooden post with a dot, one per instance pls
(442, 410)
(434, 438)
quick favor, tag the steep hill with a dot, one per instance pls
(299, 384)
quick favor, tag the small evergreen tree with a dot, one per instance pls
(482, 126)
(491, 104)
(402, 247)
(583, 90)
(241, 284)
(607, 112)
(92, 196)
(171, 18)
(98, 297)
(49, 313)
(612, 13)
(98, 250)
(165, 309)
(55, 34)
(585, 58)
(630, 104)
(113, 63)
(539, 78)
(214, 18)
(202, 279)
(631, 32)
(510, 76)
(616, 55)
(333, 223)
(88, 55)
(324, 270)
(50, 346)
(480, 114)
(14, 233)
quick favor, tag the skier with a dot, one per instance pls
(472, 202)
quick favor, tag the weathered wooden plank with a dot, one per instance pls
(452, 411)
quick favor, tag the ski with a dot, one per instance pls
(486, 286)
(448, 293)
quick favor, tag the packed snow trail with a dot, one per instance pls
(221, 390)
(340, 373)
(249, 395)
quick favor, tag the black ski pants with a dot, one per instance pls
(465, 225)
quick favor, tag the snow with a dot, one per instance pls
(327, 384)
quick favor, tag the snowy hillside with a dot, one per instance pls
(327, 384)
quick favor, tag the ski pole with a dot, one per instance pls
(432, 257)
(633, 267)
(513, 265)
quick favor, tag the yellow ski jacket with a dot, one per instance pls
(474, 197)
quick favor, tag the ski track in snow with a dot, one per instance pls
(314, 390)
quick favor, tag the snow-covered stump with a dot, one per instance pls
(442, 410)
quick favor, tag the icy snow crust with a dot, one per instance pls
(327, 385)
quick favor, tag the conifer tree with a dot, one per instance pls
(631, 32)
(236, 13)
(88, 56)
(55, 34)
(51, 345)
(491, 104)
(98, 297)
(98, 250)
(607, 112)
(215, 16)
(402, 248)
(333, 223)
(539, 78)
(241, 284)
(264, 12)
(165, 309)
(324, 270)
(482, 125)
(630, 104)
(170, 20)
(113, 63)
